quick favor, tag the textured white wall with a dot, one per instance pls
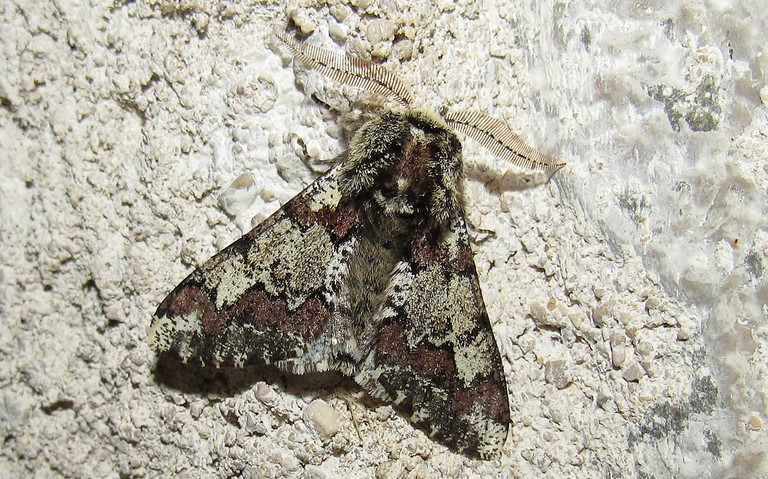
(628, 295)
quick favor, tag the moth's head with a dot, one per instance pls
(408, 166)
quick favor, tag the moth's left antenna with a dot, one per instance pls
(350, 70)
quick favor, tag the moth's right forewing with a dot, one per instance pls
(434, 354)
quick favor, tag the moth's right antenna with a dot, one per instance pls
(496, 135)
(350, 70)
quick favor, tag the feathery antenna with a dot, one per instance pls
(496, 135)
(490, 132)
(350, 70)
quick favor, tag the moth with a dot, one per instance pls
(368, 271)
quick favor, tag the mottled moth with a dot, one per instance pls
(368, 271)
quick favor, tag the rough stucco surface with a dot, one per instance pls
(628, 295)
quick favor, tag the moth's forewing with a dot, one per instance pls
(266, 297)
(435, 356)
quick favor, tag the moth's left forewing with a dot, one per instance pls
(435, 356)
(267, 296)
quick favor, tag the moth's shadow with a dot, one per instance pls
(227, 382)
(511, 180)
